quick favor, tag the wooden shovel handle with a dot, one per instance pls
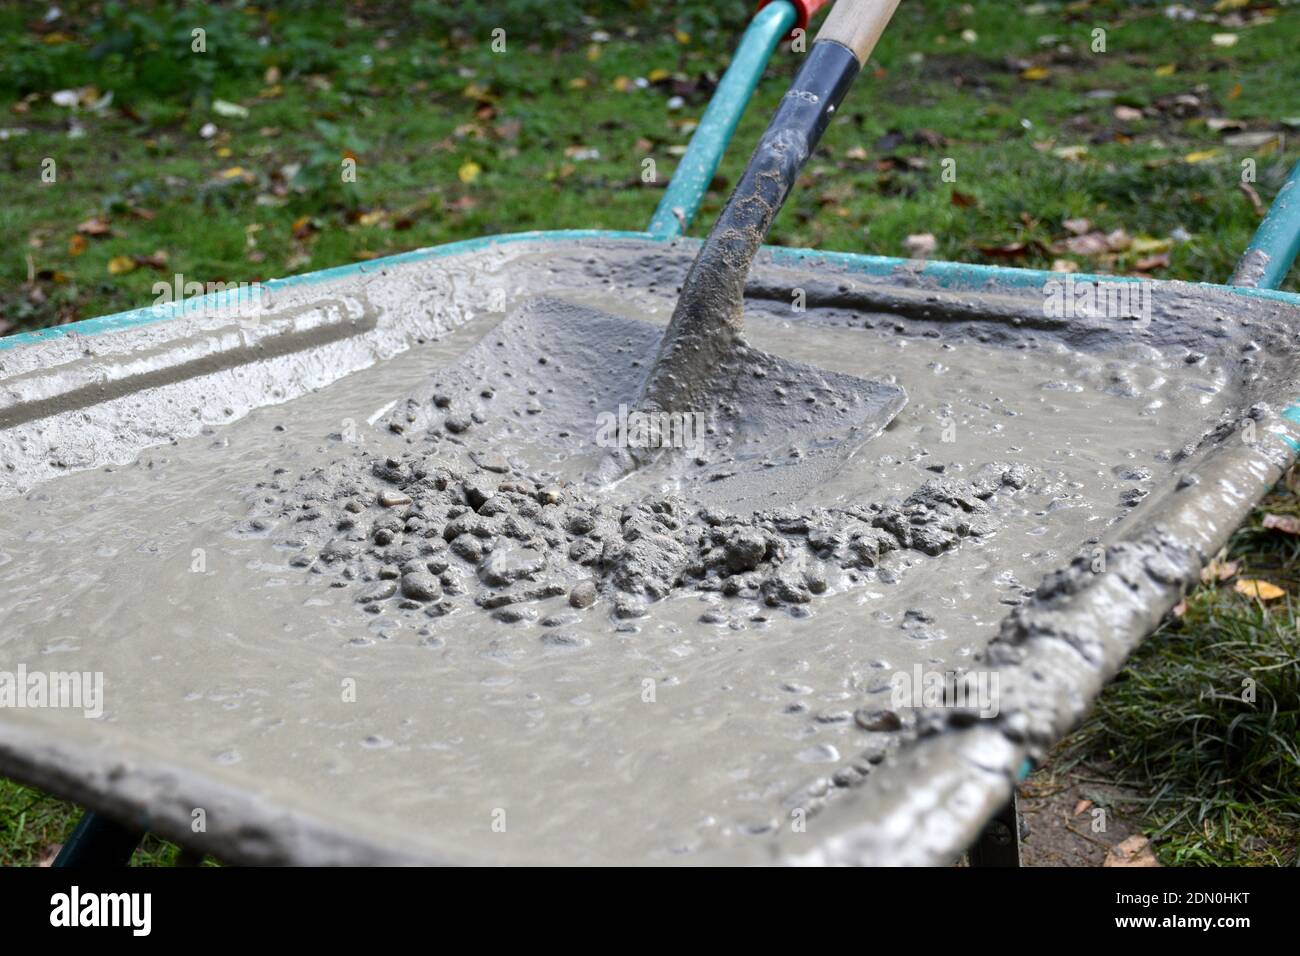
(857, 24)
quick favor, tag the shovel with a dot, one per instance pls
(571, 390)
(775, 428)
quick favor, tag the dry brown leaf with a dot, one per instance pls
(1219, 570)
(1261, 590)
(1089, 244)
(94, 227)
(1159, 261)
(1083, 806)
(156, 261)
(1287, 524)
(1118, 240)
(1252, 196)
(1134, 851)
(49, 854)
(1011, 250)
(920, 245)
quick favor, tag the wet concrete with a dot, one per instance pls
(669, 679)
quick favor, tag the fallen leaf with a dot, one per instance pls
(1127, 114)
(1035, 73)
(1168, 69)
(1253, 196)
(1135, 851)
(468, 171)
(120, 265)
(1091, 244)
(94, 227)
(1219, 570)
(77, 244)
(1287, 524)
(1218, 124)
(1145, 245)
(1159, 261)
(156, 261)
(1083, 806)
(1202, 156)
(1257, 140)
(929, 137)
(962, 200)
(1071, 154)
(1261, 590)
(303, 227)
(920, 245)
(1064, 265)
(581, 153)
(1011, 250)
(1117, 240)
(49, 854)
(1224, 39)
(225, 108)
(1077, 226)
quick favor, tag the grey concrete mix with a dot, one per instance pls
(355, 591)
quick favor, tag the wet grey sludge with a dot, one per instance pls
(370, 617)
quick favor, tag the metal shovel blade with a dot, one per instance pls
(554, 388)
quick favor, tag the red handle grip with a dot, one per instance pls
(804, 10)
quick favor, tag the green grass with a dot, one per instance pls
(31, 823)
(1205, 718)
(416, 94)
(393, 92)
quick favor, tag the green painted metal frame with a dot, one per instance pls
(1278, 236)
(681, 201)
(948, 275)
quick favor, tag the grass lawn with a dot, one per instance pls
(1119, 151)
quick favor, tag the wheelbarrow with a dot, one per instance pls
(161, 674)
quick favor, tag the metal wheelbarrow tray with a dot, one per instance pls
(251, 712)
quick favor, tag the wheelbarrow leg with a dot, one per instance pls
(99, 842)
(999, 843)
